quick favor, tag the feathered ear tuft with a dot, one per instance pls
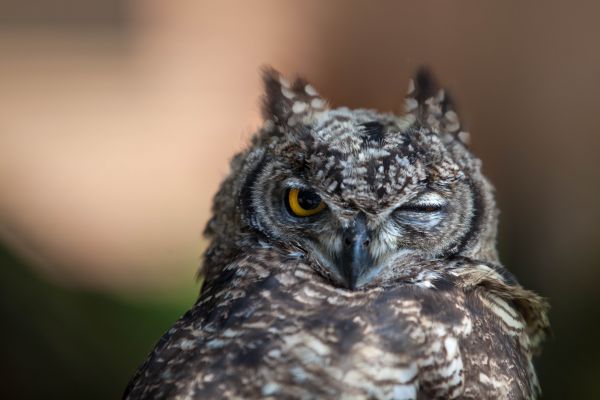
(289, 103)
(432, 106)
(424, 85)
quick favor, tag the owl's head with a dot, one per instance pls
(356, 191)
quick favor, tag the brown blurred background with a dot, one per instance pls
(118, 118)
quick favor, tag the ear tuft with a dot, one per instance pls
(275, 87)
(432, 107)
(425, 85)
(289, 103)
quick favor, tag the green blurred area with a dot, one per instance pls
(59, 343)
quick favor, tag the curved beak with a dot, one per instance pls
(355, 259)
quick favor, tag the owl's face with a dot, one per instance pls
(357, 191)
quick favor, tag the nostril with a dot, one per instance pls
(347, 241)
(366, 243)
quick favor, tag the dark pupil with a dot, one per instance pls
(308, 200)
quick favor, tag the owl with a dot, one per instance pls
(352, 256)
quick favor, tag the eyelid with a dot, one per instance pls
(295, 184)
(430, 198)
(421, 203)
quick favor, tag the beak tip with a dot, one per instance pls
(350, 281)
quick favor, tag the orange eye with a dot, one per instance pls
(304, 203)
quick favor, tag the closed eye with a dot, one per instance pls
(427, 203)
(424, 212)
(421, 207)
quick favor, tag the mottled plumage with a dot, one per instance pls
(390, 289)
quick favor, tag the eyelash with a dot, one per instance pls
(421, 208)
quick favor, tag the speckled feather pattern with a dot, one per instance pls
(440, 318)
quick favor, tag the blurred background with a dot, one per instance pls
(118, 118)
